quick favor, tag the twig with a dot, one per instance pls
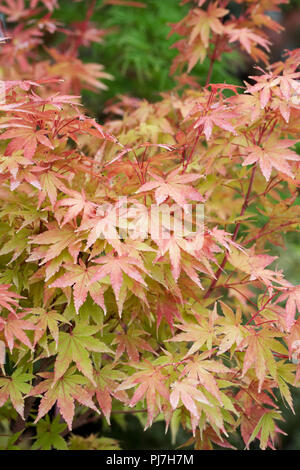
(235, 234)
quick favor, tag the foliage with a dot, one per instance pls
(133, 51)
(107, 307)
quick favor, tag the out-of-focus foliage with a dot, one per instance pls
(138, 52)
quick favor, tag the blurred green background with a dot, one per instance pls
(138, 54)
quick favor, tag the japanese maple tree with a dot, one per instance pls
(107, 306)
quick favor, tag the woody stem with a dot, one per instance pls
(235, 234)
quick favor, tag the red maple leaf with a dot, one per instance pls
(25, 135)
(8, 298)
(292, 297)
(13, 327)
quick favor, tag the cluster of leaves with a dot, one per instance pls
(99, 317)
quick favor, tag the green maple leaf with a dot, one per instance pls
(266, 428)
(18, 242)
(74, 346)
(258, 355)
(231, 329)
(14, 387)
(48, 435)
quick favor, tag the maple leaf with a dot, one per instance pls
(173, 186)
(172, 245)
(58, 239)
(48, 435)
(14, 387)
(260, 345)
(77, 74)
(88, 33)
(57, 100)
(26, 137)
(68, 389)
(14, 9)
(206, 21)
(26, 175)
(248, 399)
(8, 298)
(74, 346)
(199, 333)
(46, 320)
(13, 163)
(13, 327)
(91, 127)
(168, 310)
(77, 203)
(265, 83)
(12, 106)
(131, 342)
(217, 115)
(273, 153)
(247, 38)
(199, 370)
(80, 276)
(107, 379)
(62, 174)
(266, 428)
(192, 54)
(2, 353)
(152, 386)
(17, 243)
(288, 84)
(292, 296)
(104, 226)
(293, 341)
(50, 182)
(187, 391)
(178, 258)
(285, 376)
(231, 328)
(261, 19)
(115, 267)
(254, 265)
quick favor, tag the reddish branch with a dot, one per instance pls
(235, 234)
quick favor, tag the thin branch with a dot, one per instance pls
(267, 233)
(212, 61)
(128, 412)
(235, 234)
